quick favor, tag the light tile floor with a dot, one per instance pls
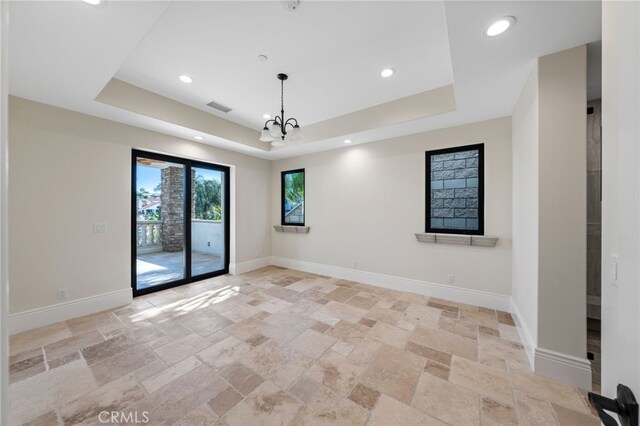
(278, 346)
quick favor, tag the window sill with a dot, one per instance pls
(293, 229)
(459, 239)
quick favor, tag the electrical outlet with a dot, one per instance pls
(355, 263)
(451, 279)
(99, 228)
(62, 293)
(208, 243)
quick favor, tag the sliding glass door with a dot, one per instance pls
(208, 233)
(180, 224)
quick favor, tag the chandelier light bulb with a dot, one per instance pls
(296, 133)
(276, 131)
(265, 135)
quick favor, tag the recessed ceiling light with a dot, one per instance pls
(500, 26)
(198, 138)
(93, 2)
(266, 116)
(263, 58)
(185, 78)
(347, 141)
(387, 72)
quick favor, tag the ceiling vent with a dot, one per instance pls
(290, 5)
(219, 107)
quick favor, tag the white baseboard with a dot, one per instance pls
(455, 294)
(47, 315)
(565, 368)
(562, 367)
(525, 337)
(249, 265)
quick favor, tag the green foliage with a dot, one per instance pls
(208, 199)
(142, 194)
(294, 188)
(154, 216)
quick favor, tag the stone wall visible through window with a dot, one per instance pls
(455, 190)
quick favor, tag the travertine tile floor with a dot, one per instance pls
(279, 346)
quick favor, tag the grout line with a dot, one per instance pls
(58, 416)
(44, 359)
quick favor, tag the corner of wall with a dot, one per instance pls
(528, 341)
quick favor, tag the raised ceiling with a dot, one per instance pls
(70, 54)
(333, 53)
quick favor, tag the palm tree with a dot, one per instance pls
(208, 199)
(294, 188)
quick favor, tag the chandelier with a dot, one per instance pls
(275, 129)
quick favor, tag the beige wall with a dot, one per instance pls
(4, 224)
(562, 195)
(365, 202)
(69, 171)
(620, 195)
(549, 216)
(525, 206)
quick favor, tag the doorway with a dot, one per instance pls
(180, 221)
(594, 237)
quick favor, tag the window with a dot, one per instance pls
(455, 190)
(293, 197)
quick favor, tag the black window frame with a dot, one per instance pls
(428, 155)
(283, 198)
(188, 165)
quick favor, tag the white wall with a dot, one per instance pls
(549, 216)
(621, 195)
(69, 171)
(365, 202)
(562, 245)
(525, 210)
(4, 228)
(207, 237)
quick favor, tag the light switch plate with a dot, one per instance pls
(99, 228)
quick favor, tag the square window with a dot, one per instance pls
(293, 197)
(455, 190)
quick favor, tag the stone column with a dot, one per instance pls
(172, 201)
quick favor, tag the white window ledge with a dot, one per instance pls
(460, 239)
(294, 229)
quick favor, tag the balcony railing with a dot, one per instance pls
(149, 236)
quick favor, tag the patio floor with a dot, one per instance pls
(162, 267)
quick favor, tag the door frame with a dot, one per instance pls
(188, 166)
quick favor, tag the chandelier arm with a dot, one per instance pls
(288, 122)
(266, 123)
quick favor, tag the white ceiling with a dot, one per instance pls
(333, 53)
(64, 53)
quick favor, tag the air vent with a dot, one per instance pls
(219, 107)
